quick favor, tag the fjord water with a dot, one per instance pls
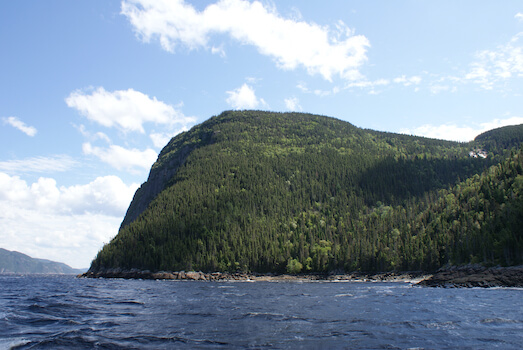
(63, 312)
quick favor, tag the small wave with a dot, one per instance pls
(265, 315)
(443, 325)
(13, 343)
(499, 320)
(149, 340)
(129, 302)
(199, 314)
(273, 317)
(66, 340)
(492, 340)
(74, 340)
(106, 324)
(404, 324)
(235, 294)
(344, 295)
(36, 307)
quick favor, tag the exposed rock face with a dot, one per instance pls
(476, 276)
(156, 183)
(161, 174)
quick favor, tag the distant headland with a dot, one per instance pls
(18, 263)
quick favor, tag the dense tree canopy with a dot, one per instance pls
(290, 192)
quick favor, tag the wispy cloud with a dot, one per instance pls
(519, 16)
(407, 81)
(244, 97)
(292, 43)
(368, 84)
(493, 66)
(52, 164)
(20, 125)
(293, 104)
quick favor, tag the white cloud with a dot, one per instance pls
(125, 109)
(493, 66)
(244, 98)
(122, 158)
(67, 224)
(368, 85)
(373, 86)
(303, 87)
(56, 163)
(319, 92)
(108, 195)
(438, 88)
(293, 104)
(20, 125)
(407, 81)
(292, 43)
(462, 133)
(102, 136)
(219, 51)
(365, 84)
(519, 16)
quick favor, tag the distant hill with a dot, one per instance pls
(500, 139)
(289, 192)
(15, 262)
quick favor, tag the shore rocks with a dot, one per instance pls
(476, 276)
(164, 275)
(450, 277)
(238, 276)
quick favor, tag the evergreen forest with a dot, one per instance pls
(261, 191)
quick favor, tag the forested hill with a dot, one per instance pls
(291, 192)
(15, 262)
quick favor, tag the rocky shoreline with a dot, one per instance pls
(476, 276)
(408, 277)
(449, 277)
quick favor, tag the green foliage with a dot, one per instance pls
(261, 191)
(294, 266)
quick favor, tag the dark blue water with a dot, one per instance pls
(64, 312)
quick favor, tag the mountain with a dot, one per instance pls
(292, 192)
(15, 262)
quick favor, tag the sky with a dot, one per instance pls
(91, 90)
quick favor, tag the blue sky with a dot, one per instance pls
(90, 91)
